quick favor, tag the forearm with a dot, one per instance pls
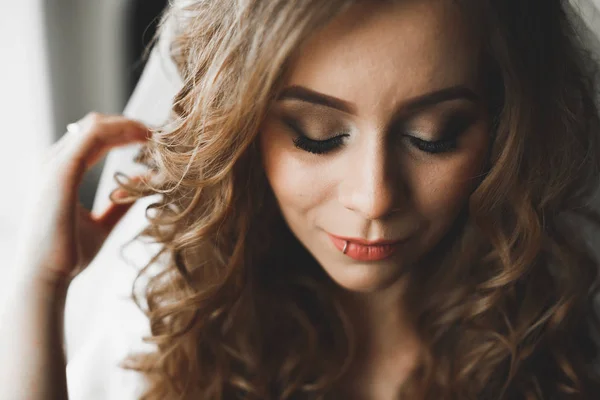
(32, 361)
(59, 238)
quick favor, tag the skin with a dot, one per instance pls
(61, 239)
(379, 58)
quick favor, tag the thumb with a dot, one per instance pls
(120, 203)
(93, 231)
(112, 215)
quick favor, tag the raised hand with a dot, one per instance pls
(61, 237)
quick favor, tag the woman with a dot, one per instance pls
(358, 200)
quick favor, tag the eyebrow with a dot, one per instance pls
(413, 105)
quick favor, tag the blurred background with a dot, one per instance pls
(60, 60)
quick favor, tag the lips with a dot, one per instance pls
(361, 250)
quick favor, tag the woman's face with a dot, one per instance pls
(379, 135)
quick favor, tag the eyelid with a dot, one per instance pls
(451, 125)
(295, 125)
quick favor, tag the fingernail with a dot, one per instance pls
(119, 194)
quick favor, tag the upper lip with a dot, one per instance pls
(365, 242)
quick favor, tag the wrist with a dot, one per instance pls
(52, 282)
(34, 273)
(45, 285)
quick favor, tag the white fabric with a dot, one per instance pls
(101, 324)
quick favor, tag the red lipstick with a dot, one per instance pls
(364, 250)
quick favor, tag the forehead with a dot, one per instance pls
(378, 53)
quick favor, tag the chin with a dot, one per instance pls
(364, 278)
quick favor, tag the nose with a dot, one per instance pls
(373, 185)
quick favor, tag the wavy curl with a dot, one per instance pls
(240, 310)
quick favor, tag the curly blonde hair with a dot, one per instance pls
(241, 310)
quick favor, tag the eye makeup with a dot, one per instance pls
(303, 142)
(453, 123)
(452, 126)
(318, 146)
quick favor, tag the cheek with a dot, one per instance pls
(440, 189)
(298, 184)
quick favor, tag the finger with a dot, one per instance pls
(99, 133)
(120, 204)
(112, 215)
(93, 231)
(96, 136)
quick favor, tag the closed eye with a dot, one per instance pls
(451, 131)
(438, 146)
(303, 142)
(318, 146)
(453, 127)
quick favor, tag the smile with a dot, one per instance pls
(361, 250)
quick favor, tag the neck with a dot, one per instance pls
(386, 342)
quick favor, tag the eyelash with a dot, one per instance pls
(434, 147)
(303, 142)
(318, 146)
(447, 144)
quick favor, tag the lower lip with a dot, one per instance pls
(361, 252)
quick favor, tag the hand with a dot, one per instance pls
(61, 237)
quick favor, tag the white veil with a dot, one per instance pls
(101, 324)
(150, 103)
